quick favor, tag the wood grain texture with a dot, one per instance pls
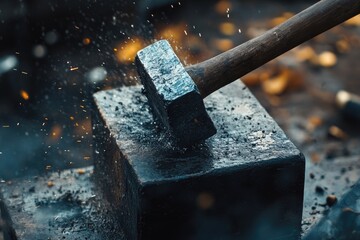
(224, 68)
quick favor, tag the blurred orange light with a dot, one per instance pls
(24, 95)
(127, 50)
(56, 132)
(227, 28)
(86, 41)
(222, 6)
(223, 44)
(173, 33)
(354, 21)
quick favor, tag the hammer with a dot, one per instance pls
(176, 93)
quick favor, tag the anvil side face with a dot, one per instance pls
(245, 182)
(173, 96)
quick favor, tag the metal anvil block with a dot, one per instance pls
(245, 182)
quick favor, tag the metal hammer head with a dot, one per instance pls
(173, 96)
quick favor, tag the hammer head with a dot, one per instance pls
(173, 96)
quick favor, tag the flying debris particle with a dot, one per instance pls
(39, 51)
(6, 126)
(86, 41)
(24, 95)
(87, 158)
(185, 32)
(51, 37)
(97, 74)
(25, 73)
(239, 30)
(74, 68)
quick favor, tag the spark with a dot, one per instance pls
(185, 32)
(86, 41)
(74, 68)
(24, 95)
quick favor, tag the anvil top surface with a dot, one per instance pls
(247, 136)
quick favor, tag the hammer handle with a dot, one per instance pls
(226, 67)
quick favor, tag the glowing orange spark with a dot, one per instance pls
(24, 95)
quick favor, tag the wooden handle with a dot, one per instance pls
(224, 68)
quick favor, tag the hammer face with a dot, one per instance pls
(173, 96)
